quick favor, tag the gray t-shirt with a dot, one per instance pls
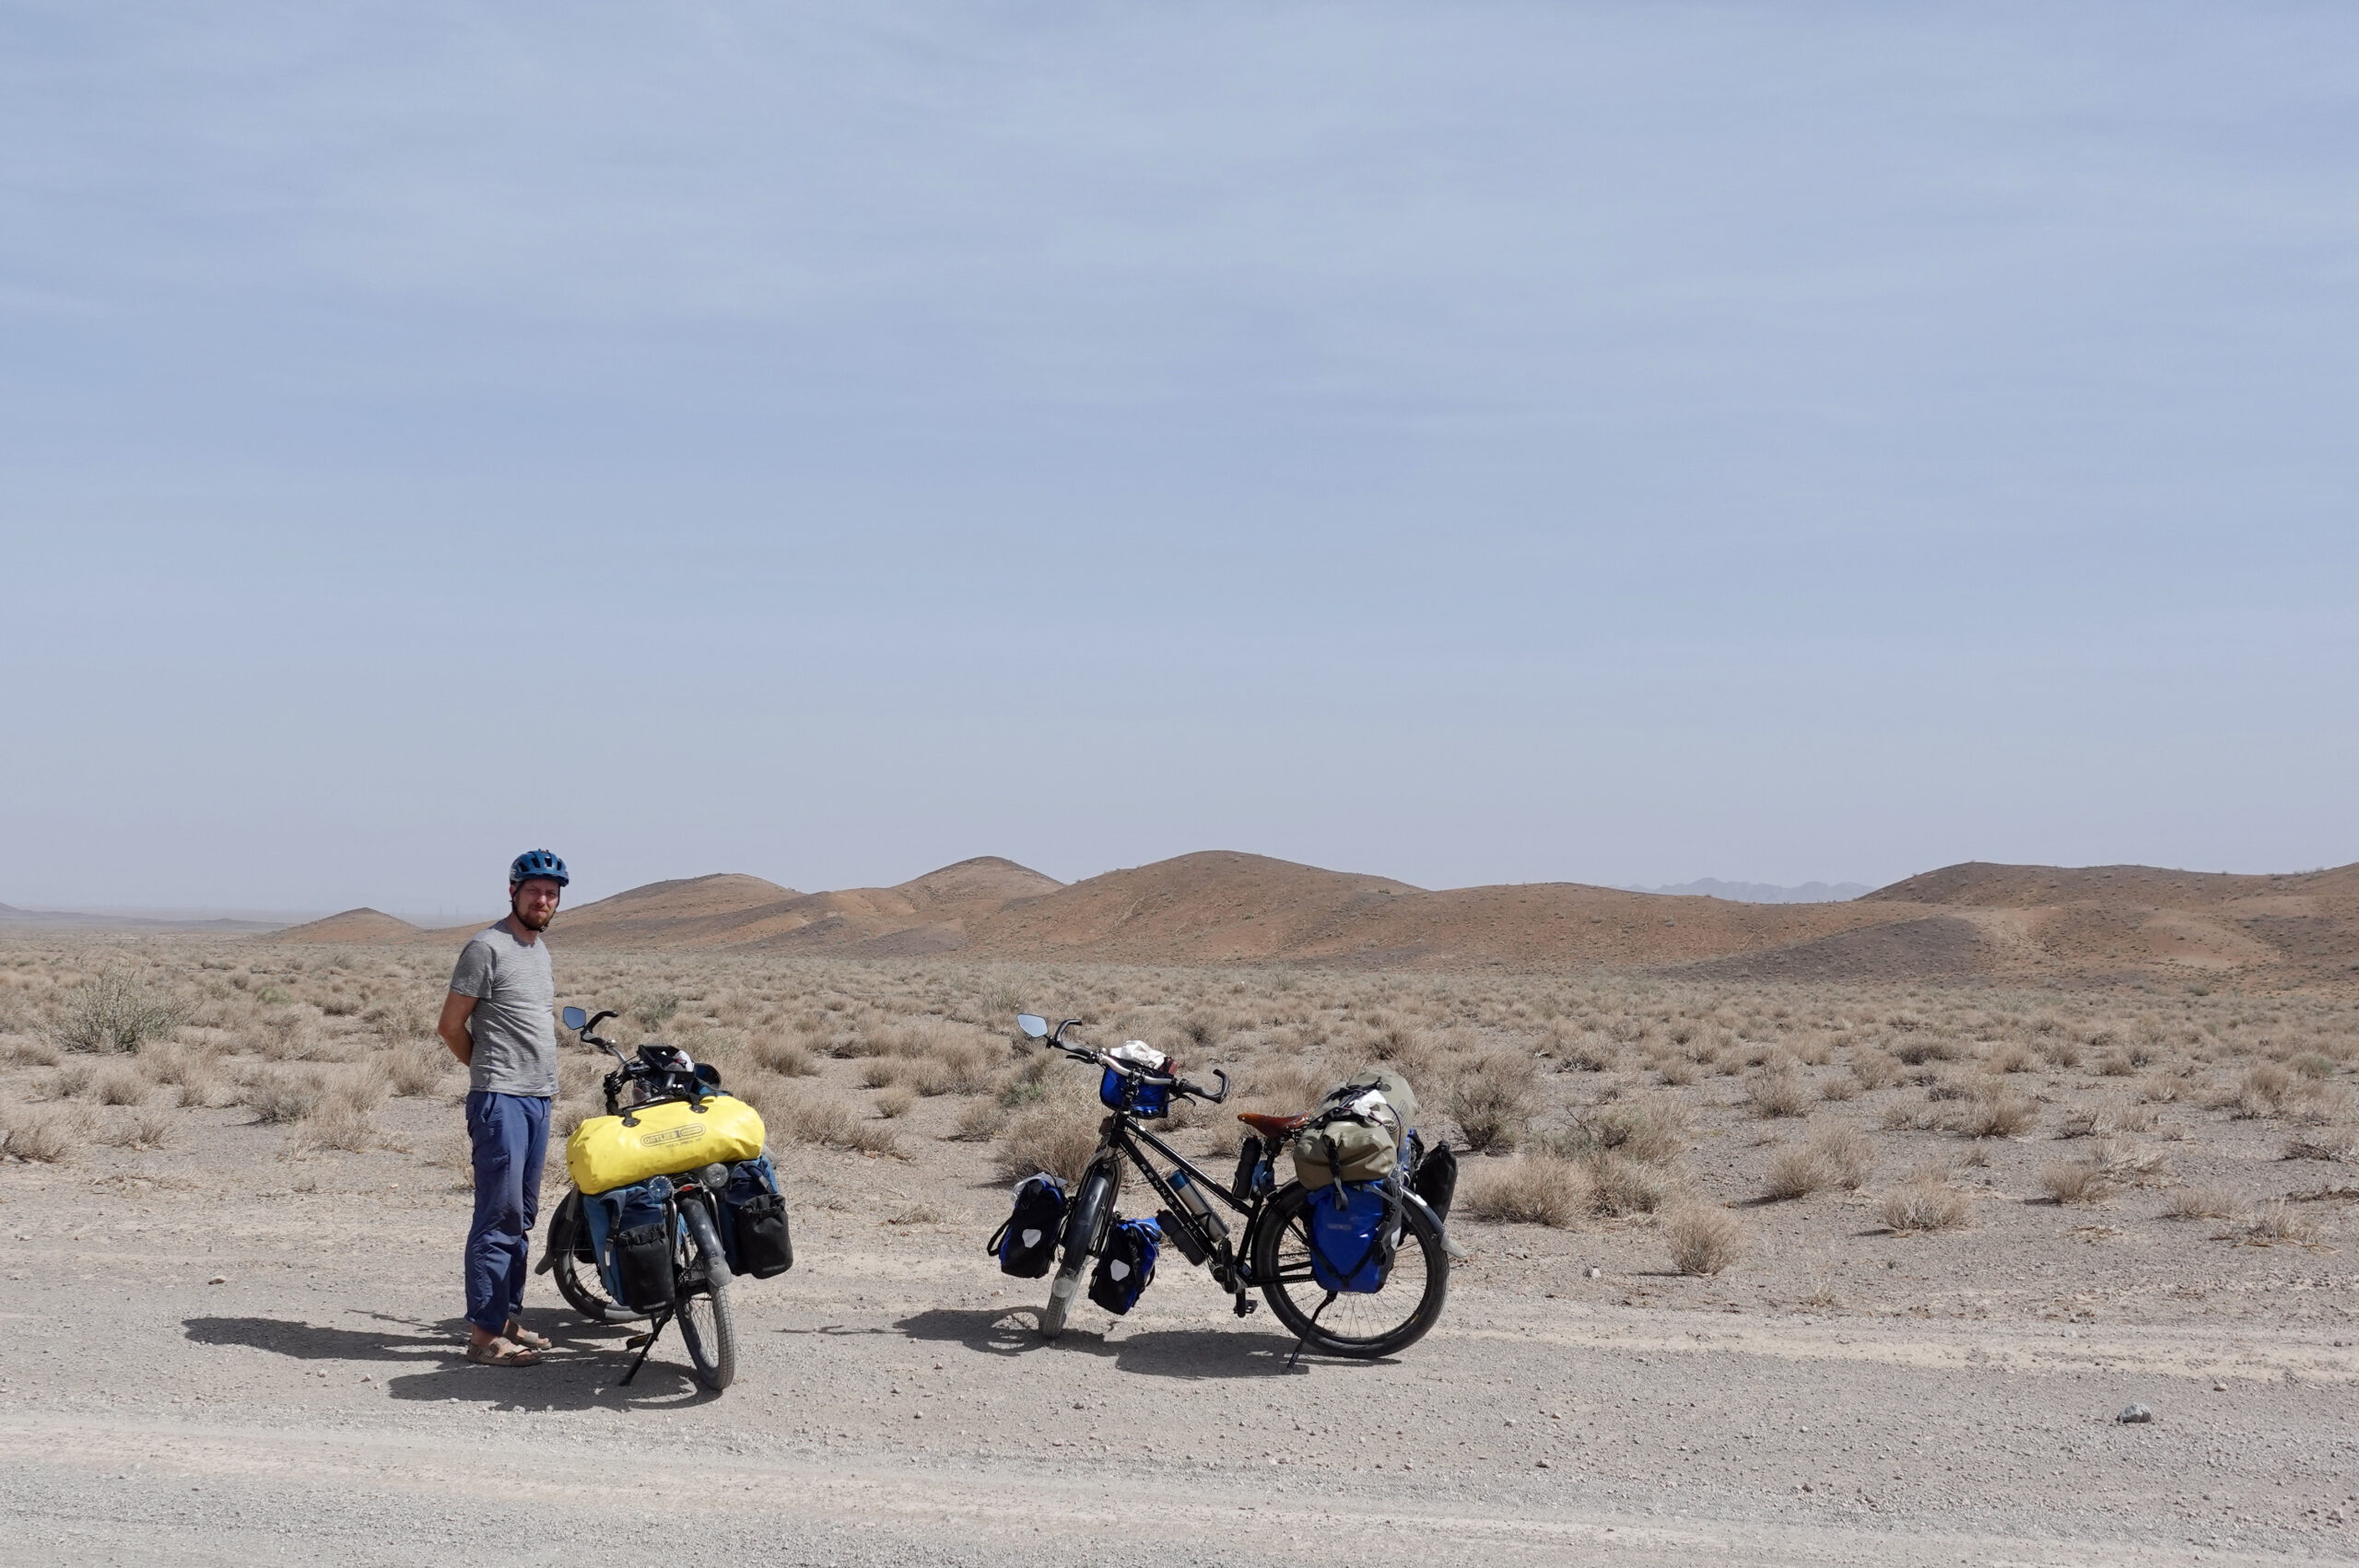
(514, 1029)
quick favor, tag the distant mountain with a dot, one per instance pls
(1762, 892)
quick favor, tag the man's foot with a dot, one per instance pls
(525, 1337)
(497, 1352)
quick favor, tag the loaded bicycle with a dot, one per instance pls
(672, 1195)
(1361, 1271)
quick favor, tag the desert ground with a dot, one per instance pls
(1762, 1270)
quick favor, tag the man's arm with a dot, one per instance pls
(457, 1008)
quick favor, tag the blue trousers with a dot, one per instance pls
(510, 1134)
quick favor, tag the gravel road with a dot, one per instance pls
(895, 1406)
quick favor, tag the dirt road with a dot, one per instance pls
(894, 1405)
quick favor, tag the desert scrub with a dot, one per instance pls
(1048, 1138)
(1540, 1190)
(1704, 1240)
(2199, 1203)
(2074, 1181)
(2002, 1113)
(1650, 1129)
(114, 1012)
(1493, 1099)
(1923, 1202)
(1777, 1091)
(1833, 1156)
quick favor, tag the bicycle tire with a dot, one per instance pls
(1093, 1201)
(1379, 1324)
(578, 1281)
(708, 1324)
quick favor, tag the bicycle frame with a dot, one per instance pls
(1230, 1260)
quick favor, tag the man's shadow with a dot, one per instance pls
(580, 1370)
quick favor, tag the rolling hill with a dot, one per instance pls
(1220, 906)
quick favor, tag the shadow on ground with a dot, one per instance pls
(1195, 1353)
(581, 1371)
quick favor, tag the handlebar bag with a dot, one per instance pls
(1026, 1244)
(753, 1220)
(1118, 1091)
(1355, 1229)
(627, 1224)
(1128, 1266)
(608, 1151)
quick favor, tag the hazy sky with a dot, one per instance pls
(1470, 442)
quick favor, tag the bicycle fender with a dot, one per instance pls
(1449, 1245)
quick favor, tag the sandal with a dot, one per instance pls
(520, 1334)
(502, 1352)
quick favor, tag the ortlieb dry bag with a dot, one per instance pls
(1355, 1133)
(607, 1152)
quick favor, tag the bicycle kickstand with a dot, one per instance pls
(645, 1343)
(1300, 1345)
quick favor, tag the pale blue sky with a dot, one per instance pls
(1468, 442)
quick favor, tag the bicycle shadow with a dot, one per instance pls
(577, 1372)
(1195, 1354)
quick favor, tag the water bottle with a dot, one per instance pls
(1199, 1205)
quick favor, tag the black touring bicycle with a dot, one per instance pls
(1380, 1302)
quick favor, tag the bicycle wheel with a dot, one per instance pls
(707, 1327)
(577, 1272)
(1366, 1325)
(1093, 1204)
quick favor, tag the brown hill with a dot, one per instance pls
(362, 926)
(1220, 906)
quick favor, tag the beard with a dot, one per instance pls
(529, 922)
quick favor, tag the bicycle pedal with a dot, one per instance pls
(638, 1341)
(1246, 1306)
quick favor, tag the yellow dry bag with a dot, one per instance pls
(607, 1152)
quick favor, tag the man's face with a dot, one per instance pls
(535, 901)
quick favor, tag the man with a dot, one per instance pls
(498, 1021)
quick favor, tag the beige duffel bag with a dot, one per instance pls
(1356, 1133)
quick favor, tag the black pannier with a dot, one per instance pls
(753, 1221)
(643, 1266)
(1026, 1244)
(1436, 1180)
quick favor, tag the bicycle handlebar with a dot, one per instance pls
(1098, 1058)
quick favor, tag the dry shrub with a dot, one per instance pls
(954, 1067)
(2339, 1143)
(1622, 1185)
(979, 1122)
(2061, 1051)
(44, 1137)
(826, 1120)
(2074, 1181)
(416, 1070)
(1591, 1053)
(154, 1130)
(30, 1052)
(278, 1096)
(880, 1072)
(1794, 1172)
(2199, 1203)
(1874, 1069)
(2161, 1088)
(2009, 1058)
(1838, 1086)
(1777, 1091)
(1921, 1049)
(1835, 1156)
(1650, 1128)
(788, 1059)
(336, 1124)
(1924, 1202)
(2000, 1115)
(2277, 1221)
(2124, 1162)
(1540, 1190)
(1704, 1240)
(2260, 1096)
(118, 1087)
(1676, 1071)
(2105, 1120)
(1050, 1137)
(896, 1103)
(71, 1081)
(1493, 1099)
(115, 1012)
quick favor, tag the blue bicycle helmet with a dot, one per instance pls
(537, 862)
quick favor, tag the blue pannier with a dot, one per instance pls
(754, 1233)
(1353, 1225)
(1128, 1266)
(1026, 1244)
